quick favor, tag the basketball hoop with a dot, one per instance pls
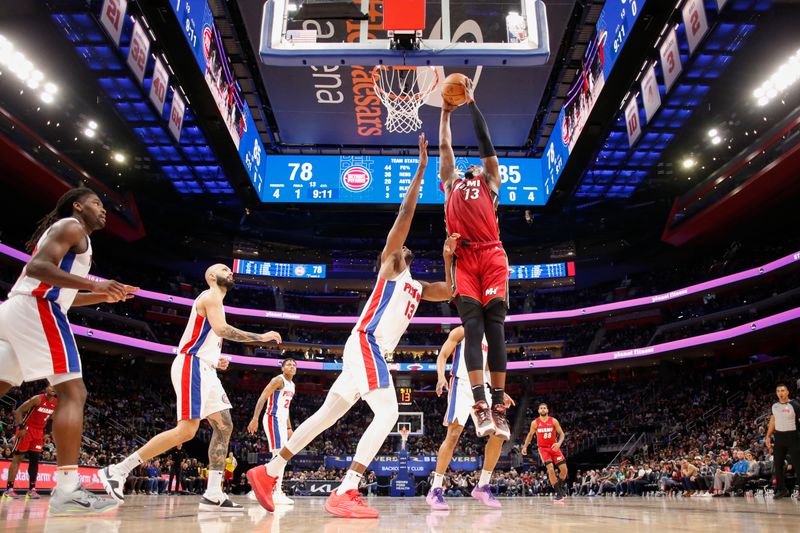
(403, 90)
(404, 432)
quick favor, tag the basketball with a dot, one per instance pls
(454, 89)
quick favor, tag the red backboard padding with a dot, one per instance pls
(403, 15)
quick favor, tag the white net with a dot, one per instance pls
(403, 90)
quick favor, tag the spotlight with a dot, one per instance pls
(689, 162)
(51, 87)
(47, 98)
(716, 140)
(713, 132)
(92, 125)
(119, 157)
(89, 132)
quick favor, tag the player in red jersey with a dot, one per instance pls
(480, 266)
(549, 437)
(30, 420)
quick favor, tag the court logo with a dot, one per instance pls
(356, 179)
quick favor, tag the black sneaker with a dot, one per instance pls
(484, 421)
(223, 504)
(500, 422)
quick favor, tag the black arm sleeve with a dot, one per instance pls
(485, 146)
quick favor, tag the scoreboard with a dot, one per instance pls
(277, 270)
(541, 271)
(362, 179)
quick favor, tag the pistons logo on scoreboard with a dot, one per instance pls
(208, 37)
(299, 271)
(356, 179)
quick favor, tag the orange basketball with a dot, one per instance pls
(454, 89)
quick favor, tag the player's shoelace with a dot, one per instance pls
(438, 495)
(355, 497)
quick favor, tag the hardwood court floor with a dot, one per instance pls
(178, 514)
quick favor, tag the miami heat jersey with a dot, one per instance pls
(459, 368)
(199, 339)
(390, 308)
(38, 416)
(470, 210)
(75, 264)
(545, 432)
(279, 401)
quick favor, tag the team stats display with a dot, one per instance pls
(278, 270)
(358, 179)
(541, 271)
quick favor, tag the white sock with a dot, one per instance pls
(279, 483)
(438, 480)
(214, 482)
(67, 478)
(130, 462)
(275, 466)
(485, 478)
(350, 482)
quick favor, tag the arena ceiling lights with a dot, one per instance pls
(24, 69)
(783, 78)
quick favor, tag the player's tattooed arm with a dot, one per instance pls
(222, 427)
(211, 305)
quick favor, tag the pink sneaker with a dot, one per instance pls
(484, 494)
(435, 499)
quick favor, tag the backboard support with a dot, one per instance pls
(456, 33)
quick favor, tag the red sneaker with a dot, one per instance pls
(263, 484)
(349, 505)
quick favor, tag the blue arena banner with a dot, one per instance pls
(306, 462)
(419, 465)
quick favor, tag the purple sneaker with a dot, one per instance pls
(485, 495)
(435, 499)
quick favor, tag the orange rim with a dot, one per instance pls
(392, 96)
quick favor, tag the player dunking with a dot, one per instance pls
(30, 419)
(549, 437)
(277, 396)
(480, 265)
(36, 341)
(199, 391)
(365, 373)
(459, 409)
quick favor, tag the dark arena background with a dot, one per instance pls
(646, 189)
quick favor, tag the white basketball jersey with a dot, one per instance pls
(199, 339)
(75, 264)
(279, 401)
(459, 368)
(390, 308)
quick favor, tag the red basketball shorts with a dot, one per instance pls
(549, 455)
(480, 272)
(32, 441)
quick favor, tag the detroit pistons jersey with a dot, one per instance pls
(459, 368)
(38, 416)
(390, 308)
(199, 340)
(470, 210)
(279, 401)
(75, 264)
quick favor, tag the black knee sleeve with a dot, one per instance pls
(33, 469)
(494, 320)
(471, 314)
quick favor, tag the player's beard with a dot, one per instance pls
(225, 283)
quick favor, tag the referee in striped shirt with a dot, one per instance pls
(783, 425)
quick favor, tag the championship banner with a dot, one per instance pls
(176, 115)
(112, 17)
(46, 478)
(696, 23)
(632, 122)
(138, 51)
(670, 60)
(158, 89)
(650, 94)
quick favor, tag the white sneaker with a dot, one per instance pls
(113, 482)
(252, 496)
(219, 503)
(78, 501)
(280, 498)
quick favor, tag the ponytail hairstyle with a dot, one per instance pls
(63, 209)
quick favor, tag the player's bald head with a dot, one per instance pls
(219, 275)
(213, 271)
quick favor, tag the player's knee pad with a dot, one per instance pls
(471, 314)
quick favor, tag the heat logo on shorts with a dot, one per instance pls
(356, 179)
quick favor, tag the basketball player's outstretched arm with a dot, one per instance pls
(491, 166)
(529, 438)
(59, 241)
(447, 159)
(275, 383)
(442, 291)
(402, 224)
(91, 298)
(210, 305)
(445, 352)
